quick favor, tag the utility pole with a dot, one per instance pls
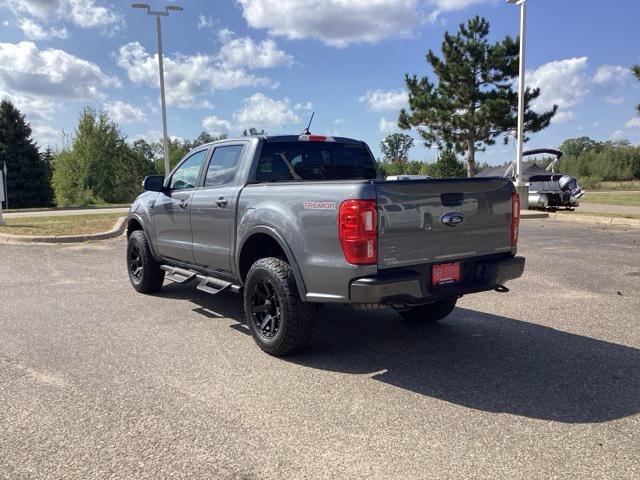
(521, 186)
(158, 14)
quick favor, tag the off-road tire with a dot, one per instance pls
(431, 312)
(295, 317)
(151, 278)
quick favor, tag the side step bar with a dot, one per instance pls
(209, 285)
(178, 275)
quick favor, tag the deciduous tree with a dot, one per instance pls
(395, 147)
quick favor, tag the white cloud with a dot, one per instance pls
(188, 78)
(37, 108)
(441, 6)
(216, 126)
(308, 106)
(46, 135)
(387, 126)
(245, 52)
(83, 13)
(564, 116)
(123, 112)
(261, 111)
(611, 75)
(34, 31)
(206, 22)
(338, 121)
(380, 100)
(335, 22)
(26, 69)
(563, 83)
(88, 14)
(617, 135)
(633, 123)
(614, 100)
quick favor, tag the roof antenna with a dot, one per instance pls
(306, 130)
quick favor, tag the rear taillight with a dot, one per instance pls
(515, 218)
(358, 231)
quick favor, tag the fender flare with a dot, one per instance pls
(271, 232)
(138, 218)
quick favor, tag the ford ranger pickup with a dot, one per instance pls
(291, 222)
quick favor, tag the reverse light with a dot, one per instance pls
(515, 218)
(358, 231)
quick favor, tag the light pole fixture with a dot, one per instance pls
(158, 14)
(520, 184)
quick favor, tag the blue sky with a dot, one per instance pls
(235, 64)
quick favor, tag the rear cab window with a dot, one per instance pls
(304, 161)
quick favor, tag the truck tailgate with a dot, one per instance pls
(415, 227)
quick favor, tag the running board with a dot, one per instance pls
(178, 275)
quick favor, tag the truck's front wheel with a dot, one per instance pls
(431, 312)
(279, 321)
(144, 272)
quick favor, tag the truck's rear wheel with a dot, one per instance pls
(144, 272)
(431, 312)
(279, 321)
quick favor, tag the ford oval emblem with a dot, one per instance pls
(452, 219)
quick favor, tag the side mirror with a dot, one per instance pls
(153, 183)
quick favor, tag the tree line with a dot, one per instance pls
(469, 106)
(592, 161)
(95, 163)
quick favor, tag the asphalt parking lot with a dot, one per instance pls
(98, 381)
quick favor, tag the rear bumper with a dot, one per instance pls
(413, 286)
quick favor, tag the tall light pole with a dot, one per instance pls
(521, 186)
(158, 14)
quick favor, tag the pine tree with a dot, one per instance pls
(473, 102)
(27, 176)
(447, 165)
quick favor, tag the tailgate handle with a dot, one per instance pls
(452, 199)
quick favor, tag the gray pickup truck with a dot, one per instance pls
(291, 222)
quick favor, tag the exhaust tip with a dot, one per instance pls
(501, 289)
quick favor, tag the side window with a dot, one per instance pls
(223, 165)
(186, 176)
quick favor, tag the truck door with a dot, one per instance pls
(213, 209)
(172, 210)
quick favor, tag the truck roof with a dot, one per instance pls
(280, 138)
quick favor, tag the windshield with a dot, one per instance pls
(312, 161)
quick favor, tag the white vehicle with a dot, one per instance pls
(408, 177)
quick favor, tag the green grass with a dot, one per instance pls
(599, 214)
(621, 185)
(612, 198)
(60, 225)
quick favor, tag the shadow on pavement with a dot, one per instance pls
(478, 360)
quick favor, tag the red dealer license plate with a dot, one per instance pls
(445, 273)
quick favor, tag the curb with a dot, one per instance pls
(117, 230)
(598, 220)
(531, 215)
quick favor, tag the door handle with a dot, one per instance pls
(222, 202)
(183, 204)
